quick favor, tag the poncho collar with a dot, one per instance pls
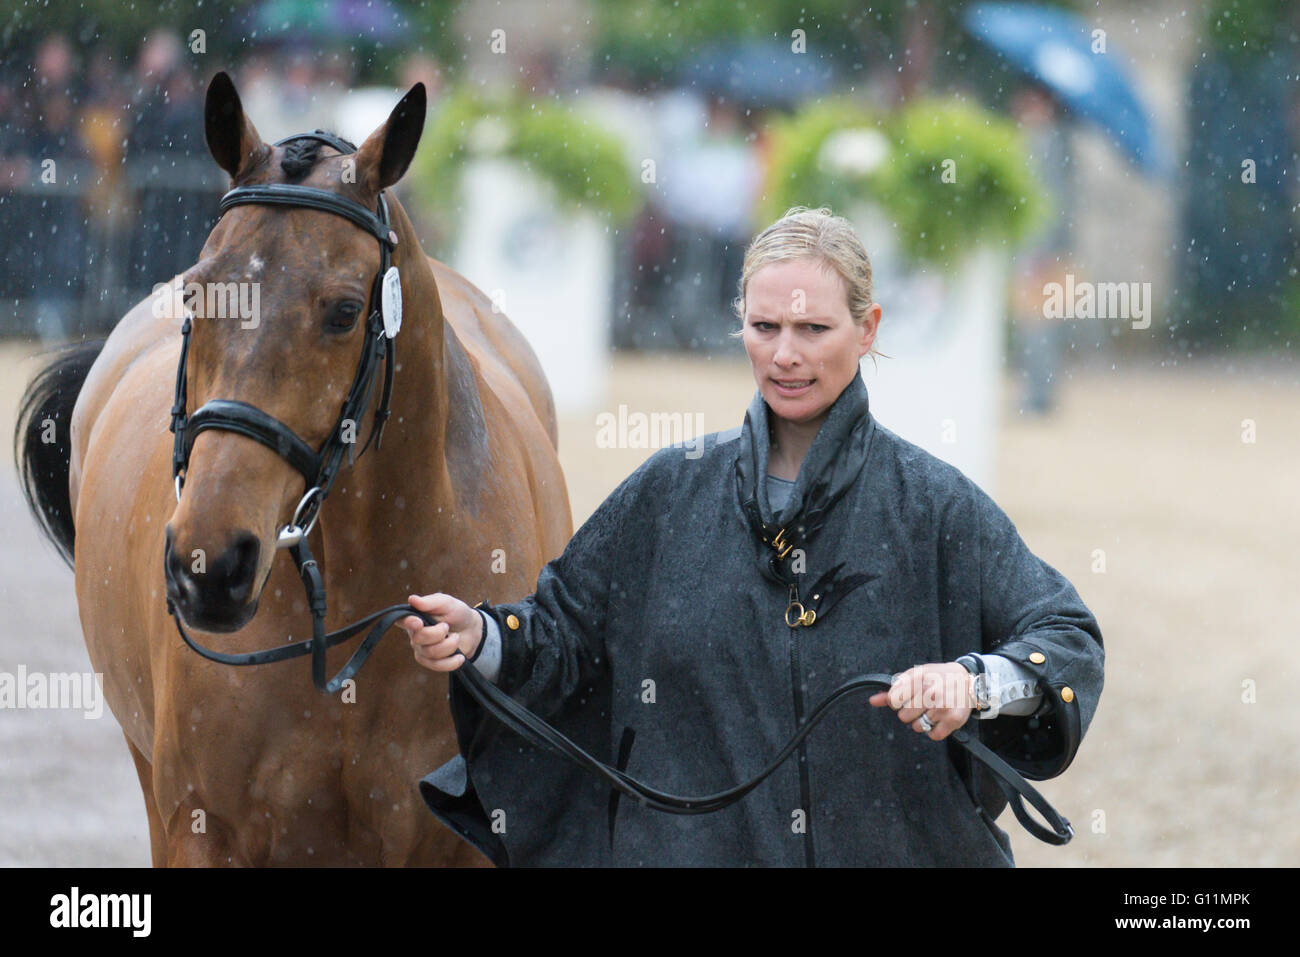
(831, 466)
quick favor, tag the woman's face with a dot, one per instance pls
(801, 340)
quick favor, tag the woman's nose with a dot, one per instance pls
(785, 354)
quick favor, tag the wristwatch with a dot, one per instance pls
(979, 681)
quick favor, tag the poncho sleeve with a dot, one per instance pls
(1032, 615)
(553, 641)
(553, 661)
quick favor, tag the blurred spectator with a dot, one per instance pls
(421, 68)
(166, 111)
(47, 211)
(104, 113)
(168, 163)
(642, 261)
(13, 161)
(1046, 257)
(709, 187)
(133, 192)
(289, 94)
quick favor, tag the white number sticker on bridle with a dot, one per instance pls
(390, 301)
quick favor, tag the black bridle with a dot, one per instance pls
(319, 469)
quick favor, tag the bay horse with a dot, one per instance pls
(465, 494)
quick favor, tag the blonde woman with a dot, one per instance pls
(722, 590)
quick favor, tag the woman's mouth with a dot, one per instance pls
(792, 387)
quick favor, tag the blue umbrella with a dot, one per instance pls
(1055, 48)
(758, 71)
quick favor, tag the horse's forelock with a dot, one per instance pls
(300, 158)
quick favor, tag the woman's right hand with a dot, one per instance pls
(449, 643)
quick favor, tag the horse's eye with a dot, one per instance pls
(343, 315)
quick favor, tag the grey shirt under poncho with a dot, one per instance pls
(658, 642)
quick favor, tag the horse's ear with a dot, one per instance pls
(232, 139)
(388, 151)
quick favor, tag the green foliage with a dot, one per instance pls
(993, 195)
(650, 39)
(798, 175)
(1277, 327)
(584, 164)
(1244, 29)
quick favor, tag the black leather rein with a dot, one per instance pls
(541, 734)
(319, 469)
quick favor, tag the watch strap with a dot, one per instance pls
(985, 702)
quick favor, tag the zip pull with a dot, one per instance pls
(801, 616)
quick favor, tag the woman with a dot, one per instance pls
(724, 589)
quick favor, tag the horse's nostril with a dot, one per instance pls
(240, 566)
(219, 585)
(171, 562)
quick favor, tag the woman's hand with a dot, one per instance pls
(451, 642)
(941, 692)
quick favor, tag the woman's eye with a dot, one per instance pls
(343, 315)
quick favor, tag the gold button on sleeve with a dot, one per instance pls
(1067, 694)
(1038, 657)
(512, 621)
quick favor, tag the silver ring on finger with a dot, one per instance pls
(925, 724)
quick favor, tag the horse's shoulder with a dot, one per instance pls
(470, 312)
(492, 339)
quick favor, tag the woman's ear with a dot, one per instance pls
(870, 326)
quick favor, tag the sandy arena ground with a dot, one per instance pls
(1198, 606)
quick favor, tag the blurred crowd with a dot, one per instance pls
(79, 134)
(106, 185)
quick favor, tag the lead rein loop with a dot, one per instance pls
(538, 732)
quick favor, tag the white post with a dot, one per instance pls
(550, 270)
(941, 388)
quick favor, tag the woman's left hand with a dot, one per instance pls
(941, 692)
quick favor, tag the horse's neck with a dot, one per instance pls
(389, 498)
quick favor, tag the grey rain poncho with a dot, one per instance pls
(658, 640)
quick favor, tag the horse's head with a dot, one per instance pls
(279, 302)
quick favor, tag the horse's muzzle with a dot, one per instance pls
(213, 593)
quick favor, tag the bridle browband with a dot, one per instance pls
(319, 469)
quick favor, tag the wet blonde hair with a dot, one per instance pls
(818, 234)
